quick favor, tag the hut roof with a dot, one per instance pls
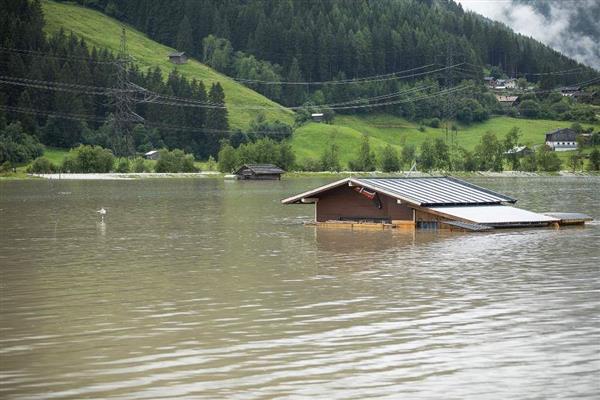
(177, 54)
(430, 191)
(261, 169)
(561, 135)
(507, 99)
(495, 215)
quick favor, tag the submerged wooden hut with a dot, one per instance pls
(259, 172)
(430, 203)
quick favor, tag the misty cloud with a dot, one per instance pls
(568, 26)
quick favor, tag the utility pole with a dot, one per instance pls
(449, 106)
(448, 82)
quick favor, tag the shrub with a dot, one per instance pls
(211, 164)
(330, 159)
(89, 159)
(434, 122)
(175, 161)
(140, 165)
(529, 108)
(227, 157)
(594, 163)
(489, 153)
(310, 164)
(389, 159)
(547, 160)
(123, 165)
(16, 146)
(41, 165)
(365, 160)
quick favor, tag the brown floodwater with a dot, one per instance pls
(200, 288)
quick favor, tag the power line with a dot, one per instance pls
(371, 79)
(54, 56)
(333, 82)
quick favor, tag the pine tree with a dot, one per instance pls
(184, 36)
(294, 94)
(216, 118)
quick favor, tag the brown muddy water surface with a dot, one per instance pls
(200, 288)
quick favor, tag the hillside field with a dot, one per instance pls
(310, 139)
(102, 31)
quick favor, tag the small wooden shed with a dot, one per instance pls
(178, 57)
(265, 172)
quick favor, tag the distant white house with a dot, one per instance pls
(570, 91)
(317, 117)
(152, 155)
(507, 100)
(510, 83)
(562, 139)
(503, 84)
(518, 151)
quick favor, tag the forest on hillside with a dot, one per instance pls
(63, 92)
(262, 42)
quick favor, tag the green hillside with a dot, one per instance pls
(309, 140)
(347, 131)
(102, 31)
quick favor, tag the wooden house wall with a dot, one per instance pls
(344, 203)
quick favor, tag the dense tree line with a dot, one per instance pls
(96, 159)
(316, 40)
(81, 111)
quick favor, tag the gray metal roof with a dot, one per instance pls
(432, 191)
(261, 169)
(561, 134)
(435, 191)
(495, 215)
(177, 54)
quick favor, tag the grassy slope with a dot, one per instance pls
(102, 31)
(310, 139)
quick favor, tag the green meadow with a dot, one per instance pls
(308, 140)
(104, 32)
(347, 131)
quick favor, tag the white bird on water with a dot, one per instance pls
(102, 213)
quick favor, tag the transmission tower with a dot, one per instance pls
(122, 142)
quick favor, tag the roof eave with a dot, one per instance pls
(298, 198)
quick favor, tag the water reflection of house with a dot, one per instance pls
(562, 139)
(434, 202)
(262, 172)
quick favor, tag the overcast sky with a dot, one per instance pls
(555, 29)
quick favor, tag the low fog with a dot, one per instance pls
(568, 26)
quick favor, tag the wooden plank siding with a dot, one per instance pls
(344, 203)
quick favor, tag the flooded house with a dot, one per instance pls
(429, 203)
(263, 172)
